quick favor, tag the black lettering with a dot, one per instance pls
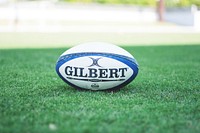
(75, 71)
(114, 73)
(81, 73)
(122, 70)
(92, 73)
(95, 73)
(103, 73)
(68, 71)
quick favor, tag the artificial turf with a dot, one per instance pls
(164, 97)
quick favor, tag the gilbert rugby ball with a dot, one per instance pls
(97, 66)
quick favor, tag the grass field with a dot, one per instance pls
(164, 98)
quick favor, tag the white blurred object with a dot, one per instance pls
(196, 13)
(188, 16)
(3, 1)
(52, 127)
(48, 15)
(46, 10)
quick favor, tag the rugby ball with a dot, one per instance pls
(97, 66)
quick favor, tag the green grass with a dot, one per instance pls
(164, 98)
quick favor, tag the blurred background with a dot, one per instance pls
(63, 23)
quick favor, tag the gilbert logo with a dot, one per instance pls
(94, 74)
(95, 62)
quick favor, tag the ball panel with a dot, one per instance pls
(98, 47)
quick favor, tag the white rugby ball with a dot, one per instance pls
(97, 66)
